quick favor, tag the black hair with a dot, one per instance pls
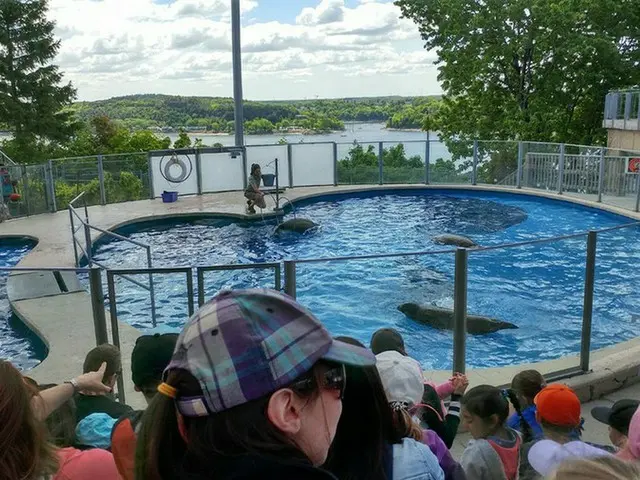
(366, 426)
(162, 453)
(486, 401)
(254, 167)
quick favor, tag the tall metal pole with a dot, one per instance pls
(587, 309)
(97, 305)
(460, 311)
(237, 72)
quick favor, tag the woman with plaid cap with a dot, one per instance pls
(253, 391)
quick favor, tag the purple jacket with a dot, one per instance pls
(452, 469)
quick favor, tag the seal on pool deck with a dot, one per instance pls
(442, 319)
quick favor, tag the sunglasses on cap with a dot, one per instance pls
(333, 379)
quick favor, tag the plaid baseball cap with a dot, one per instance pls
(245, 344)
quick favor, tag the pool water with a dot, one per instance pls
(539, 288)
(17, 343)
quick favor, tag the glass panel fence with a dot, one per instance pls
(221, 172)
(358, 163)
(312, 164)
(497, 163)
(72, 176)
(174, 173)
(404, 162)
(126, 177)
(265, 156)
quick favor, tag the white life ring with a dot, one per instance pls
(184, 171)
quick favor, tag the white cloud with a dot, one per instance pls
(118, 47)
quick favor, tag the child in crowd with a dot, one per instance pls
(558, 413)
(618, 417)
(494, 452)
(372, 443)
(527, 385)
(431, 411)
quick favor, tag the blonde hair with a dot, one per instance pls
(602, 468)
(405, 425)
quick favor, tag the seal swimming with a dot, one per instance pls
(299, 225)
(457, 240)
(442, 319)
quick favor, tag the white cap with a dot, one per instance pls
(401, 377)
(546, 456)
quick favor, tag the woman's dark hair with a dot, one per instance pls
(366, 426)
(162, 453)
(61, 423)
(254, 167)
(24, 449)
(528, 384)
(486, 401)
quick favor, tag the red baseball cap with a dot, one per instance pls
(558, 405)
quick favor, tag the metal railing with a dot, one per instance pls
(6, 159)
(622, 110)
(86, 247)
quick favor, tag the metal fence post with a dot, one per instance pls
(52, 187)
(244, 167)
(561, 169)
(474, 171)
(290, 278)
(627, 108)
(587, 309)
(115, 329)
(199, 171)
(380, 162)
(335, 164)
(638, 193)
(73, 236)
(25, 188)
(601, 175)
(427, 162)
(103, 193)
(150, 167)
(87, 242)
(460, 311)
(97, 304)
(520, 164)
(290, 160)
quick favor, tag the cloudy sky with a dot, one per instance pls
(291, 48)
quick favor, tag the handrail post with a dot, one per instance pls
(561, 169)
(474, 171)
(50, 187)
(335, 164)
(73, 236)
(103, 193)
(97, 305)
(587, 309)
(520, 163)
(427, 161)
(290, 278)
(152, 292)
(115, 328)
(87, 241)
(380, 162)
(460, 311)
(601, 175)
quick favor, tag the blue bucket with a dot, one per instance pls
(268, 179)
(169, 197)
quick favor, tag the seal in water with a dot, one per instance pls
(299, 225)
(442, 319)
(458, 240)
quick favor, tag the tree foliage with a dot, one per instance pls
(528, 69)
(32, 99)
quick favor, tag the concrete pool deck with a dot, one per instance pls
(64, 320)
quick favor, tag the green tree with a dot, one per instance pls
(528, 69)
(32, 99)
(183, 140)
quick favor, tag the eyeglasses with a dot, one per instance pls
(333, 379)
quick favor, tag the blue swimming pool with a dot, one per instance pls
(17, 343)
(539, 288)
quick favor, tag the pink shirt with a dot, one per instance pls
(93, 464)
